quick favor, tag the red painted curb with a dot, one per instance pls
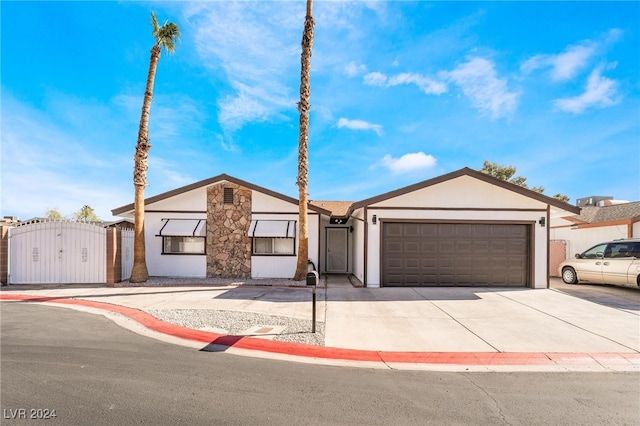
(309, 351)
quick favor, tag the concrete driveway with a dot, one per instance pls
(478, 319)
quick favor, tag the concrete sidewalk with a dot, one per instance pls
(421, 327)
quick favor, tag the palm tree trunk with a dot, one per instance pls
(303, 145)
(139, 271)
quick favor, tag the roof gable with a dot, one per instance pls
(472, 174)
(207, 182)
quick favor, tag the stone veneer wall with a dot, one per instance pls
(228, 242)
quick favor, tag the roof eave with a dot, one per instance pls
(210, 181)
(467, 172)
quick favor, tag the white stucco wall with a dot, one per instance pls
(171, 265)
(581, 239)
(358, 244)
(463, 192)
(264, 203)
(194, 200)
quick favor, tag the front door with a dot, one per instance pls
(336, 256)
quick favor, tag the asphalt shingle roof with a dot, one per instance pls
(337, 208)
(596, 214)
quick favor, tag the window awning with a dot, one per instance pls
(184, 228)
(273, 228)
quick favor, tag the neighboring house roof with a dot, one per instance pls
(211, 181)
(124, 223)
(472, 173)
(601, 214)
(337, 208)
(34, 220)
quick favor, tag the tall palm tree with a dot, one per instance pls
(303, 144)
(165, 37)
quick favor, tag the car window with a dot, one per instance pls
(635, 252)
(614, 250)
(594, 252)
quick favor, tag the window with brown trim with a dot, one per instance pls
(273, 246)
(183, 245)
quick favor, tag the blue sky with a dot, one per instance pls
(400, 92)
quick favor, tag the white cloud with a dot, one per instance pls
(359, 125)
(236, 110)
(600, 92)
(565, 65)
(478, 80)
(352, 69)
(409, 162)
(375, 79)
(166, 173)
(426, 84)
(256, 48)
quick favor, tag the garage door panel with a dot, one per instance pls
(393, 262)
(464, 231)
(393, 229)
(481, 232)
(428, 231)
(463, 247)
(480, 246)
(446, 246)
(447, 262)
(412, 263)
(411, 247)
(437, 254)
(446, 230)
(428, 246)
(411, 230)
(428, 263)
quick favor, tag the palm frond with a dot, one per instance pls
(154, 24)
(167, 36)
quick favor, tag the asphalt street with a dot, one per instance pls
(91, 371)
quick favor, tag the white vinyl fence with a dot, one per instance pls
(57, 253)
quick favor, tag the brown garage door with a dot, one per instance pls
(455, 254)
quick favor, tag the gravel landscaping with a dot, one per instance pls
(237, 323)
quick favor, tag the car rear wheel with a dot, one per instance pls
(569, 275)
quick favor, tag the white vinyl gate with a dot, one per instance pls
(57, 253)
